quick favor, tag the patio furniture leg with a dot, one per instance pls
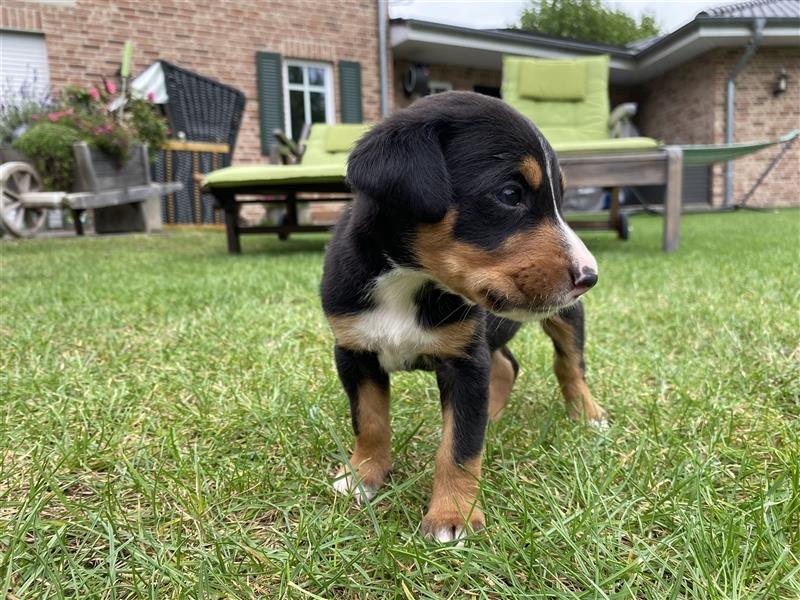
(672, 198)
(613, 211)
(290, 218)
(76, 220)
(228, 204)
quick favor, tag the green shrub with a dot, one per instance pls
(49, 145)
(16, 118)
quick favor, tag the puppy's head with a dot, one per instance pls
(477, 190)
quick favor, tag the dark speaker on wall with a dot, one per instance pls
(415, 80)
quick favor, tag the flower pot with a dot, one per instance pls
(97, 173)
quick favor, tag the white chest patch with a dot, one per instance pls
(391, 329)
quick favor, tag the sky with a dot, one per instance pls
(489, 14)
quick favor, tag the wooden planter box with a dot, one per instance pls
(96, 173)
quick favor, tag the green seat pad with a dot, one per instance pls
(560, 119)
(329, 144)
(324, 161)
(607, 145)
(248, 175)
(343, 137)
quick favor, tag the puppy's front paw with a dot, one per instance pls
(451, 526)
(586, 409)
(363, 489)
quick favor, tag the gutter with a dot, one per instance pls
(384, 77)
(730, 101)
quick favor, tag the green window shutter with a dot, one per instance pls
(350, 91)
(270, 97)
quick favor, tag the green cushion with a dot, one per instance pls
(331, 144)
(247, 175)
(342, 138)
(324, 160)
(562, 120)
(552, 80)
(609, 145)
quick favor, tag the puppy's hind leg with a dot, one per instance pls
(503, 373)
(367, 386)
(566, 331)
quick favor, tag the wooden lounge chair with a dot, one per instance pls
(322, 171)
(568, 100)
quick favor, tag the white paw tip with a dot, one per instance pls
(446, 534)
(601, 424)
(346, 484)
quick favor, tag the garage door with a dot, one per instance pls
(23, 67)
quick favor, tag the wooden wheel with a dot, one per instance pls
(17, 178)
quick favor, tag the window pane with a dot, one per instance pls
(295, 74)
(297, 114)
(317, 107)
(316, 76)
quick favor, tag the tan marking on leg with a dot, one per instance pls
(570, 375)
(532, 171)
(500, 384)
(454, 500)
(372, 458)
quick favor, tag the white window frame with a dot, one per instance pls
(437, 87)
(305, 87)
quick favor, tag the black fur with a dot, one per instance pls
(455, 149)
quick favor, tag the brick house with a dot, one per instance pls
(306, 60)
(679, 82)
(304, 42)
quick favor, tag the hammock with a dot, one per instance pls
(708, 154)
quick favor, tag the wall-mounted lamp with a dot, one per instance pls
(781, 83)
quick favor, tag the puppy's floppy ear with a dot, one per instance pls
(400, 165)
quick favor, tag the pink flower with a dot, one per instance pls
(94, 93)
(110, 87)
(34, 117)
(151, 96)
(55, 116)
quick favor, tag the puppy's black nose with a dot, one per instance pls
(586, 278)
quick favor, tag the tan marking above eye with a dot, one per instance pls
(532, 171)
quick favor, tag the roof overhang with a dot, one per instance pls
(436, 43)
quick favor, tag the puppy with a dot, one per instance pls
(455, 237)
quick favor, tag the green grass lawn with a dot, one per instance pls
(170, 418)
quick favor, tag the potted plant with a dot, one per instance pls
(112, 124)
(84, 115)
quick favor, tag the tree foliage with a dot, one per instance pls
(587, 20)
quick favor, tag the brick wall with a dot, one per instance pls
(218, 38)
(687, 106)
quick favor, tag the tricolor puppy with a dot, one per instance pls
(454, 237)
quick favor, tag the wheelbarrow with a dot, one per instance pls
(102, 184)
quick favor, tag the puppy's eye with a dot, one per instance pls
(510, 195)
